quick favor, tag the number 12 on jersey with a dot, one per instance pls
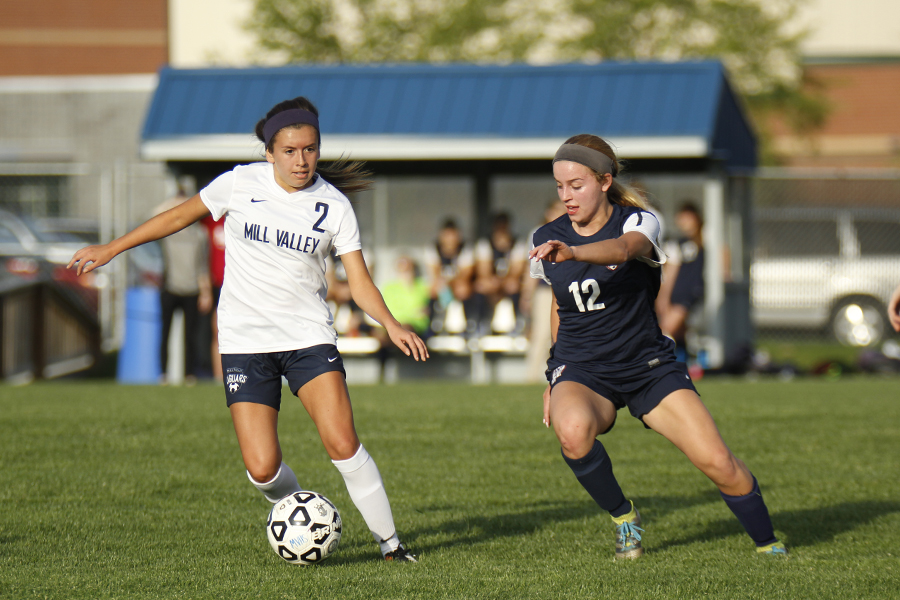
(588, 286)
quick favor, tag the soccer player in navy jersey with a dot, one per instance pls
(285, 216)
(602, 260)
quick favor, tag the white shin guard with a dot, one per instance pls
(284, 483)
(366, 489)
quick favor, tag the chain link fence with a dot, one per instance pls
(826, 256)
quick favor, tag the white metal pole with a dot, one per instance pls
(713, 244)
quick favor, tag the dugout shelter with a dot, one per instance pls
(467, 141)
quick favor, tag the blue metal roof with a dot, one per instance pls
(614, 99)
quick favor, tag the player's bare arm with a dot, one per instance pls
(175, 219)
(629, 246)
(554, 327)
(894, 309)
(367, 296)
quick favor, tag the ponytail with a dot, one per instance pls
(626, 195)
(347, 176)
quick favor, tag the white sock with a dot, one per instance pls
(367, 492)
(284, 483)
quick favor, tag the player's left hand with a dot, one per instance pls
(552, 251)
(408, 342)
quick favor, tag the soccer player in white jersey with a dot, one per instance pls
(602, 259)
(284, 217)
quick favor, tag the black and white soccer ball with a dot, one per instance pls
(304, 528)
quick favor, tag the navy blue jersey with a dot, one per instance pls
(607, 321)
(688, 289)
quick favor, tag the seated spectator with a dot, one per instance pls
(451, 270)
(407, 296)
(682, 288)
(500, 262)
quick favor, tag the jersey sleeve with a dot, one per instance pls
(673, 252)
(536, 267)
(483, 252)
(519, 251)
(465, 259)
(646, 223)
(346, 239)
(217, 195)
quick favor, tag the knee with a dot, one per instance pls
(263, 471)
(574, 436)
(723, 467)
(342, 448)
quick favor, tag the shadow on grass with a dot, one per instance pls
(806, 527)
(478, 528)
(816, 525)
(801, 527)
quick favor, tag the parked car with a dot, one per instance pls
(826, 269)
(18, 237)
(144, 262)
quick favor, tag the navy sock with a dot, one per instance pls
(752, 513)
(594, 472)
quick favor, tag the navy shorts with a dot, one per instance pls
(641, 392)
(257, 377)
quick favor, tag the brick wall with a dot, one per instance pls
(863, 126)
(83, 37)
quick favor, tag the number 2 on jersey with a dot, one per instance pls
(324, 207)
(588, 286)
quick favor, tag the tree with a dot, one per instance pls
(748, 36)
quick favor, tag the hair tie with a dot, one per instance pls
(593, 159)
(286, 118)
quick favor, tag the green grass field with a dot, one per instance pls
(139, 492)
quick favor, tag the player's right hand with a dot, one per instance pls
(552, 251)
(90, 257)
(547, 406)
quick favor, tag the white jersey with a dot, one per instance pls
(273, 296)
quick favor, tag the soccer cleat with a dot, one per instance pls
(776, 549)
(401, 554)
(628, 534)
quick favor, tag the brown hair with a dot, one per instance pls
(619, 193)
(346, 175)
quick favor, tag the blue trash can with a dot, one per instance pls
(139, 354)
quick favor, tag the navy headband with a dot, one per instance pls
(593, 159)
(286, 118)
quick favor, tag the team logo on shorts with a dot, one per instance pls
(556, 373)
(612, 267)
(234, 379)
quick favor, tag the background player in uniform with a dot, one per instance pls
(283, 220)
(682, 287)
(500, 262)
(602, 260)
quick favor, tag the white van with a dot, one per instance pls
(826, 269)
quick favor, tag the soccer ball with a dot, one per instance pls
(304, 528)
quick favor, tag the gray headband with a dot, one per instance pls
(286, 118)
(588, 157)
